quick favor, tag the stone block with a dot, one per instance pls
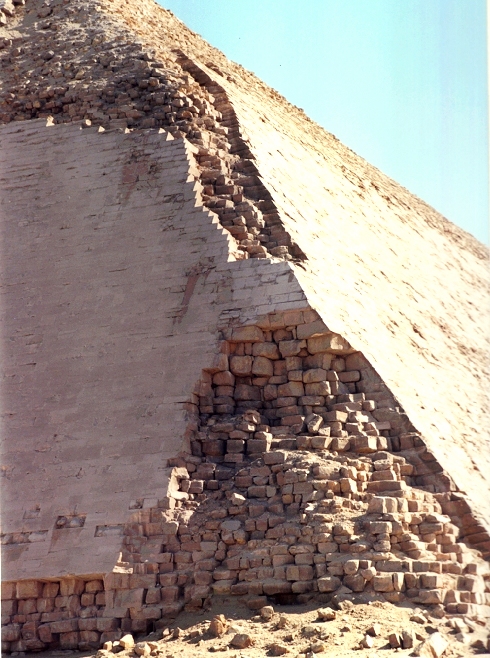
(332, 343)
(291, 347)
(350, 376)
(382, 505)
(355, 582)
(8, 591)
(224, 378)
(241, 366)
(291, 389)
(262, 367)
(256, 446)
(129, 598)
(364, 444)
(267, 350)
(328, 547)
(69, 640)
(29, 589)
(274, 457)
(251, 334)
(94, 586)
(314, 375)
(320, 442)
(318, 388)
(311, 329)
(11, 632)
(383, 583)
(244, 392)
(329, 583)
(64, 626)
(272, 586)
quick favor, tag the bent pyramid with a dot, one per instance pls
(236, 357)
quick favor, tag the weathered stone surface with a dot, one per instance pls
(138, 276)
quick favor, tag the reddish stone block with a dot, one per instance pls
(29, 589)
(69, 640)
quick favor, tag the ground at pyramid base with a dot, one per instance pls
(240, 363)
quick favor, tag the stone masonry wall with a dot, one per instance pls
(108, 262)
(304, 480)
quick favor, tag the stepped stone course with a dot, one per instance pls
(238, 359)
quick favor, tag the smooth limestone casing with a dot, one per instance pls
(114, 283)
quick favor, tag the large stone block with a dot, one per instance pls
(332, 343)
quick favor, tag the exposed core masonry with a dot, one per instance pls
(238, 359)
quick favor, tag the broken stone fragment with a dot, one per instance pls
(313, 422)
(395, 640)
(127, 641)
(218, 626)
(266, 613)
(237, 499)
(241, 641)
(142, 649)
(277, 649)
(433, 647)
(367, 642)
(408, 639)
(374, 630)
(318, 646)
(326, 614)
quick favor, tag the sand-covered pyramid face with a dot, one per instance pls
(253, 364)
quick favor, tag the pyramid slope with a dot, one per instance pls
(400, 282)
(240, 360)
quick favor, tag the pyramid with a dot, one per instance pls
(238, 359)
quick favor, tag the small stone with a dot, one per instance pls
(278, 649)
(218, 626)
(107, 646)
(266, 614)
(309, 630)
(395, 640)
(367, 642)
(374, 630)
(419, 618)
(408, 639)
(433, 647)
(327, 614)
(241, 641)
(317, 647)
(283, 622)
(177, 632)
(142, 649)
(127, 641)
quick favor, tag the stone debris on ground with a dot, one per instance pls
(365, 629)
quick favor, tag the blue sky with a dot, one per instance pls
(401, 82)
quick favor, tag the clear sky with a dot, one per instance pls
(403, 83)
